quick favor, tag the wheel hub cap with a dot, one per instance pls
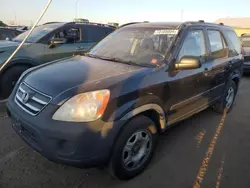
(230, 97)
(137, 150)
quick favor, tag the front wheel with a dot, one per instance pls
(228, 98)
(9, 79)
(134, 148)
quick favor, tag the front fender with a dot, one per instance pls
(135, 107)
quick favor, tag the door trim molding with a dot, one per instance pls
(182, 103)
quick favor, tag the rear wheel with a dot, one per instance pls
(9, 79)
(134, 148)
(227, 99)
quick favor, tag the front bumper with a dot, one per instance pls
(77, 144)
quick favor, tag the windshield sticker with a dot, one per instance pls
(154, 61)
(166, 32)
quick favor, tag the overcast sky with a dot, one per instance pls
(27, 11)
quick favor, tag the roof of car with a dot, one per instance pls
(82, 23)
(173, 24)
(9, 29)
(153, 24)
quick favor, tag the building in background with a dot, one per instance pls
(241, 25)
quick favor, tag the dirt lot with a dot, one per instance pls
(201, 149)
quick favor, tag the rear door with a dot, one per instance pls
(219, 62)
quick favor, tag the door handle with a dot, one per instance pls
(205, 72)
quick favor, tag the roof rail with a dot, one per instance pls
(202, 21)
(221, 23)
(93, 23)
(129, 24)
(51, 23)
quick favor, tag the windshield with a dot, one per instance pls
(37, 33)
(142, 46)
(245, 41)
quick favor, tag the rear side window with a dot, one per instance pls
(235, 42)
(95, 33)
(5, 34)
(217, 44)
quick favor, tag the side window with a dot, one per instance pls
(71, 34)
(93, 33)
(194, 45)
(217, 44)
(235, 42)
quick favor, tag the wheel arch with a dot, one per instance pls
(19, 62)
(236, 79)
(153, 111)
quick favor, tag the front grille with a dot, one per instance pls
(31, 100)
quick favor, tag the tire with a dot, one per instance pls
(9, 79)
(223, 103)
(135, 133)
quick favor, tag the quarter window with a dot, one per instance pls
(193, 45)
(217, 44)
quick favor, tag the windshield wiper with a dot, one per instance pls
(115, 59)
(91, 55)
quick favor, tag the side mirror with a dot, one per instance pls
(8, 39)
(56, 42)
(188, 62)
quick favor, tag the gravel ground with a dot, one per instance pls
(199, 150)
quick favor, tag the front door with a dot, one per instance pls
(190, 87)
(74, 44)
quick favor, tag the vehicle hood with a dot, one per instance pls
(80, 74)
(9, 45)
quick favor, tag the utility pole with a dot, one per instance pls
(182, 15)
(76, 8)
(15, 18)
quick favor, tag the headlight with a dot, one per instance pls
(84, 107)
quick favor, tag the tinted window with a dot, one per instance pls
(235, 42)
(95, 33)
(5, 34)
(216, 44)
(193, 45)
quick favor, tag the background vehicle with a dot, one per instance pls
(108, 106)
(47, 42)
(245, 39)
(8, 33)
